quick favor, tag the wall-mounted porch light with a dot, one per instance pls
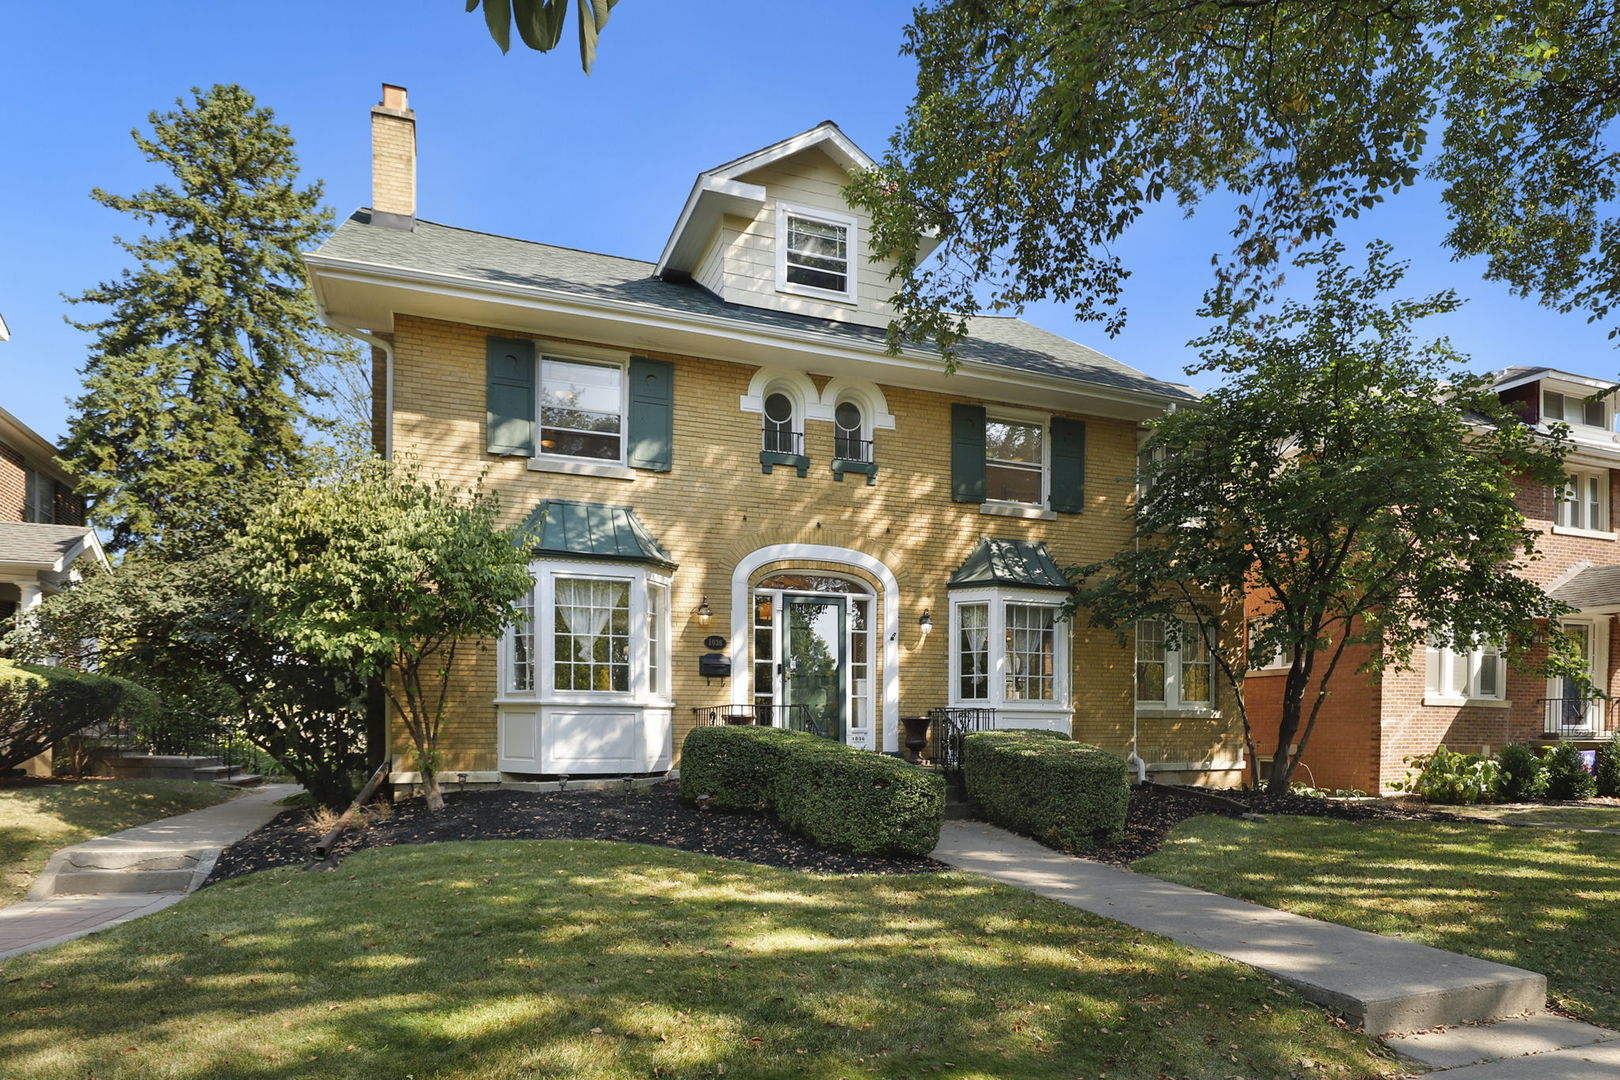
(925, 621)
(704, 612)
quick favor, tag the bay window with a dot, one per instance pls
(1009, 650)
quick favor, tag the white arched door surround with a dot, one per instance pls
(742, 621)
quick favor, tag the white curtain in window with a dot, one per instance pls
(586, 607)
(975, 629)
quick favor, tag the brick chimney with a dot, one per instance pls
(393, 161)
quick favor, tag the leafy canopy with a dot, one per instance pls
(1352, 479)
(202, 372)
(1041, 132)
(540, 23)
(387, 573)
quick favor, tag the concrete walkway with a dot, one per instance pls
(110, 880)
(1380, 984)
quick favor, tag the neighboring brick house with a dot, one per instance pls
(1475, 702)
(748, 506)
(42, 530)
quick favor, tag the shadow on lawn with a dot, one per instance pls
(570, 959)
(1544, 900)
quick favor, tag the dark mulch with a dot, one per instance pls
(657, 815)
(653, 815)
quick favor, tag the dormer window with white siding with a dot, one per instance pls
(814, 253)
(1574, 410)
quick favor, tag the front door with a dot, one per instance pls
(814, 669)
(1578, 711)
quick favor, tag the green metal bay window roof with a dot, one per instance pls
(1022, 563)
(579, 530)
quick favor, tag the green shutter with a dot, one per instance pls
(967, 453)
(510, 397)
(651, 424)
(1068, 465)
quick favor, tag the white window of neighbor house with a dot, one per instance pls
(1457, 675)
(1572, 409)
(1173, 676)
(814, 255)
(581, 409)
(1015, 461)
(1583, 501)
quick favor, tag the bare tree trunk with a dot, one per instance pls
(430, 790)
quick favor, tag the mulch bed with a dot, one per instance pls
(657, 815)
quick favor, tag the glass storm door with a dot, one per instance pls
(813, 663)
(1577, 711)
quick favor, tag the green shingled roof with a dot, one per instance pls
(1009, 562)
(594, 531)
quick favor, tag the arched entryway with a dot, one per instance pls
(819, 638)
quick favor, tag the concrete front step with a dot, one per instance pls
(1378, 983)
(1517, 1037)
(163, 766)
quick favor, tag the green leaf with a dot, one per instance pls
(498, 17)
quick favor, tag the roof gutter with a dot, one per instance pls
(559, 302)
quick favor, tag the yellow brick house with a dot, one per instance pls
(746, 507)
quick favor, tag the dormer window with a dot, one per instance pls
(813, 253)
(1573, 410)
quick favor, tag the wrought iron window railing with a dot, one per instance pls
(1574, 717)
(848, 448)
(781, 441)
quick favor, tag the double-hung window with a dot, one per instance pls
(1457, 675)
(1574, 410)
(814, 252)
(1009, 649)
(39, 495)
(581, 409)
(1015, 461)
(1583, 501)
(1173, 671)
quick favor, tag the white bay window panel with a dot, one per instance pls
(1010, 652)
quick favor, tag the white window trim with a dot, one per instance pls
(1172, 705)
(791, 390)
(1438, 663)
(1579, 478)
(543, 460)
(1279, 660)
(852, 247)
(998, 597)
(1579, 400)
(1011, 507)
(545, 573)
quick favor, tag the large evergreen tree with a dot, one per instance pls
(201, 373)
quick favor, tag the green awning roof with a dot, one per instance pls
(1009, 562)
(584, 530)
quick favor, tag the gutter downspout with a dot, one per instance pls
(376, 342)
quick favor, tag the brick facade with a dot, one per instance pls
(715, 507)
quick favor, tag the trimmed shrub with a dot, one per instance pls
(1449, 777)
(1567, 775)
(1520, 775)
(40, 705)
(839, 797)
(1608, 767)
(1067, 795)
(731, 768)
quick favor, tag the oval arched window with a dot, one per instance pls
(849, 441)
(779, 435)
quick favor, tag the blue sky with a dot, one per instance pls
(527, 146)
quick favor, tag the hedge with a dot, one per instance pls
(1067, 795)
(841, 798)
(40, 705)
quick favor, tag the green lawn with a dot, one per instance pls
(37, 820)
(598, 960)
(1588, 817)
(1535, 898)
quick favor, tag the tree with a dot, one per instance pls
(387, 574)
(201, 372)
(540, 23)
(1353, 480)
(185, 629)
(1040, 132)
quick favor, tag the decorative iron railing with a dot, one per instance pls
(765, 714)
(947, 728)
(1574, 718)
(780, 441)
(847, 448)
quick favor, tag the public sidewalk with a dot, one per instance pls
(1380, 984)
(112, 879)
